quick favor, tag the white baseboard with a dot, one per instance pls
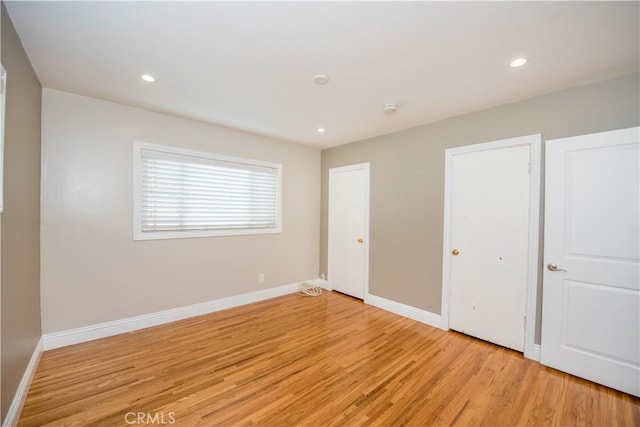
(13, 414)
(422, 316)
(414, 313)
(107, 329)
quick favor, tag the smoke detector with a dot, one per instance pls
(390, 108)
(320, 79)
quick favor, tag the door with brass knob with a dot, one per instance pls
(348, 226)
(487, 217)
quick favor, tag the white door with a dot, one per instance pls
(591, 283)
(348, 240)
(489, 245)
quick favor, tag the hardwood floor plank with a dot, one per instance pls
(300, 361)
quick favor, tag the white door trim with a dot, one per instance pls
(332, 171)
(534, 143)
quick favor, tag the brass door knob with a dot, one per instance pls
(455, 252)
(361, 240)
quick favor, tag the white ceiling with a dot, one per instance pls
(249, 65)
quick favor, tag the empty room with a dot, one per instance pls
(319, 213)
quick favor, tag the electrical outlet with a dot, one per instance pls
(322, 276)
(261, 278)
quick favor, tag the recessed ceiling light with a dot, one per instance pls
(518, 62)
(321, 130)
(320, 79)
(148, 78)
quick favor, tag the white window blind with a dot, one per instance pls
(200, 194)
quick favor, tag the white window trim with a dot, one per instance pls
(3, 103)
(138, 234)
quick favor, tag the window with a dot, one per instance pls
(185, 193)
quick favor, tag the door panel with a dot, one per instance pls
(591, 303)
(593, 177)
(592, 334)
(348, 229)
(490, 197)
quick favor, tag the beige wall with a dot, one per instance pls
(20, 247)
(92, 269)
(407, 177)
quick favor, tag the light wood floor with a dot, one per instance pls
(303, 361)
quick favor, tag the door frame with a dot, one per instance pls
(531, 350)
(332, 172)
